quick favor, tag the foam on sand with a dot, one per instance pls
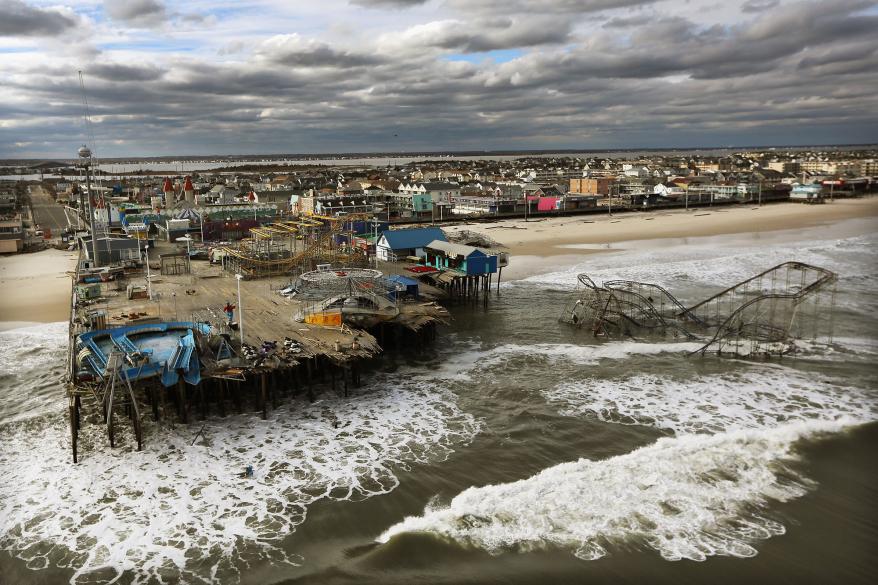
(688, 497)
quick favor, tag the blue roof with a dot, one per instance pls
(413, 237)
(403, 280)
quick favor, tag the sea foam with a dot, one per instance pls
(180, 511)
(688, 497)
(751, 397)
(716, 265)
(703, 492)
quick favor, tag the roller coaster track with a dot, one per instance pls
(628, 285)
(289, 228)
(735, 323)
(766, 319)
(821, 279)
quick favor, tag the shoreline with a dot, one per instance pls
(566, 240)
(36, 287)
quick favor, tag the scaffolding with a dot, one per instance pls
(760, 316)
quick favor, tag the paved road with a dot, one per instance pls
(47, 213)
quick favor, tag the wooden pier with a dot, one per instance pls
(262, 357)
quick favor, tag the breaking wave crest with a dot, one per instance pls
(703, 492)
(688, 497)
(752, 398)
(478, 359)
(179, 510)
(31, 364)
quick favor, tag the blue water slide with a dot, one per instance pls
(183, 357)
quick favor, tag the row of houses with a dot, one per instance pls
(12, 230)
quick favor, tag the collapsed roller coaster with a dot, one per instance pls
(760, 316)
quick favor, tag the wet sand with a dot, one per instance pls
(35, 288)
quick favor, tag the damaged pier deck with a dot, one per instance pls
(278, 352)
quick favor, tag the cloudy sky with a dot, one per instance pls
(309, 76)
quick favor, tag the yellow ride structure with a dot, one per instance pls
(284, 247)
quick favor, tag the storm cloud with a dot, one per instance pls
(453, 75)
(136, 12)
(20, 19)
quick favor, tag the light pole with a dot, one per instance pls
(148, 277)
(188, 241)
(240, 277)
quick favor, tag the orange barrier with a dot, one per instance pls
(327, 319)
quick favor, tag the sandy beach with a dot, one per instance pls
(35, 288)
(567, 238)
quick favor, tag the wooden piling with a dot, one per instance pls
(263, 390)
(183, 405)
(74, 430)
(221, 397)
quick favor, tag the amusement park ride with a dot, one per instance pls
(758, 317)
(281, 247)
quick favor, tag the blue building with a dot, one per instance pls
(467, 259)
(396, 244)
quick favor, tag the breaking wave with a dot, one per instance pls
(31, 364)
(179, 509)
(703, 492)
(688, 497)
(751, 398)
(716, 265)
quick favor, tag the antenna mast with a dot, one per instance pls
(85, 156)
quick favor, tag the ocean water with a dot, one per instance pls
(517, 450)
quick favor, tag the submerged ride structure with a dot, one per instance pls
(761, 316)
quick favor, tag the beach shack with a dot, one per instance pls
(396, 244)
(466, 259)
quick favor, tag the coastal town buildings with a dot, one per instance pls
(226, 202)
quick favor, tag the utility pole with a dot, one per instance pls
(760, 192)
(610, 200)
